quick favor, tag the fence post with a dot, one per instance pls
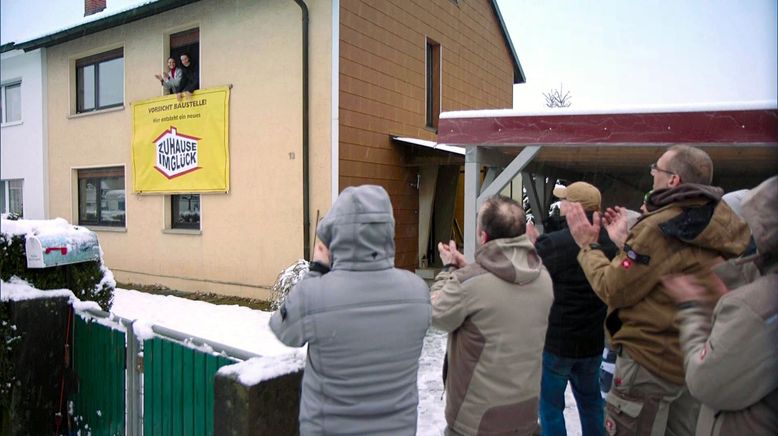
(134, 372)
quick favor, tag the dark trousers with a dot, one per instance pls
(584, 377)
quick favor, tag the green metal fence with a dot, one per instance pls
(165, 388)
(178, 388)
(98, 358)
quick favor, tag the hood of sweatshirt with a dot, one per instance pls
(359, 229)
(511, 259)
(705, 221)
(760, 210)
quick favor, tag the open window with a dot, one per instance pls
(187, 42)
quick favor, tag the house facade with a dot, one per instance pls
(299, 132)
(401, 64)
(23, 151)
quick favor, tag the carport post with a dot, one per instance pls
(472, 188)
(473, 200)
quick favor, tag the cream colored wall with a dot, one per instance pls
(254, 231)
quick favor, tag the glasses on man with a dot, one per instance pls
(655, 167)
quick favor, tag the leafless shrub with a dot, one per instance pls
(286, 281)
(558, 98)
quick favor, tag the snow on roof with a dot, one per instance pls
(26, 20)
(692, 107)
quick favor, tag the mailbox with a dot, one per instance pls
(46, 250)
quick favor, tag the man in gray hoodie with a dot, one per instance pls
(364, 322)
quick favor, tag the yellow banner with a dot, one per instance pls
(181, 146)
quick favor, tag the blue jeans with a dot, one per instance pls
(584, 376)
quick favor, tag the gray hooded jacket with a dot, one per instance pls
(364, 323)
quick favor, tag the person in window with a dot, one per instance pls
(172, 78)
(189, 78)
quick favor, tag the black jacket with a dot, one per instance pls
(575, 323)
(189, 80)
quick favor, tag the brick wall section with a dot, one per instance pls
(382, 89)
(93, 6)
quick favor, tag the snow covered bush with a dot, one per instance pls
(89, 281)
(286, 281)
(10, 337)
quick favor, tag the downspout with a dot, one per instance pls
(306, 176)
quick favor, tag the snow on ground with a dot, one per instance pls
(247, 329)
(237, 326)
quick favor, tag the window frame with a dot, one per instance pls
(432, 83)
(95, 61)
(4, 102)
(174, 211)
(5, 204)
(97, 175)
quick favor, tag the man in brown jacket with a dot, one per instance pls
(686, 227)
(496, 312)
(731, 355)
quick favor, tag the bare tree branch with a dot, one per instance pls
(558, 98)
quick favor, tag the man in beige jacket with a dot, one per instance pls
(496, 312)
(731, 355)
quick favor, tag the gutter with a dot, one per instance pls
(306, 172)
(88, 28)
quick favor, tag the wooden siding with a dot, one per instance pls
(382, 89)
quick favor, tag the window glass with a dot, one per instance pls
(111, 76)
(86, 88)
(432, 84)
(112, 200)
(101, 197)
(186, 211)
(3, 208)
(12, 101)
(16, 197)
(100, 81)
(87, 200)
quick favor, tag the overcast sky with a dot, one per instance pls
(607, 53)
(615, 53)
(22, 20)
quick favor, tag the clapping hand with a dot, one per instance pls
(583, 231)
(450, 255)
(685, 287)
(615, 220)
(532, 232)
